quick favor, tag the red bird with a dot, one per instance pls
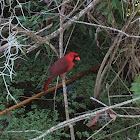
(61, 66)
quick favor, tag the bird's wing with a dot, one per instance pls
(59, 67)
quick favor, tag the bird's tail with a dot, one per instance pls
(47, 84)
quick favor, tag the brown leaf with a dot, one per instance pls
(94, 120)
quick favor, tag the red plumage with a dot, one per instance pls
(47, 83)
(61, 66)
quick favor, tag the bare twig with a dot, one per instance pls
(100, 129)
(118, 115)
(24, 131)
(119, 131)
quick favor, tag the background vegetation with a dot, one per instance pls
(102, 32)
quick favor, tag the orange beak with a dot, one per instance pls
(77, 58)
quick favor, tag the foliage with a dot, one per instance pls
(37, 120)
(82, 134)
(113, 9)
(135, 87)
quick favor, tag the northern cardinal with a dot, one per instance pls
(61, 66)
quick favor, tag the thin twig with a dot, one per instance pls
(100, 129)
(109, 135)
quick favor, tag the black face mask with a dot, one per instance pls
(75, 57)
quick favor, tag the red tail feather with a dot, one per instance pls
(47, 84)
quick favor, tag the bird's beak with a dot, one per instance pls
(77, 58)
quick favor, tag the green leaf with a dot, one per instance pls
(91, 33)
(21, 17)
(109, 17)
(114, 4)
(34, 22)
(135, 87)
(33, 17)
(137, 79)
(9, 2)
(29, 5)
(37, 54)
(47, 46)
(106, 11)
(82, 28)
(117, 5)
(103, 4)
